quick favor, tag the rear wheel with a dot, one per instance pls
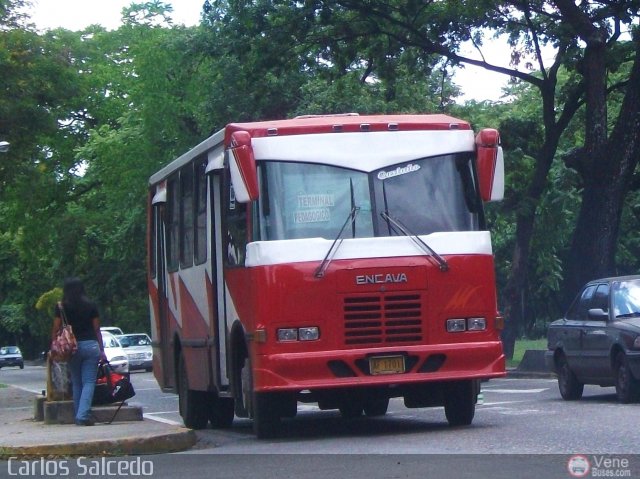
(192, 404)
(460, 403)
(568, 384)
(627, 387)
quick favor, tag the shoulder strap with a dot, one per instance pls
(62, 313)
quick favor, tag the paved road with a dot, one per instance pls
(522, 429)
(517, 416)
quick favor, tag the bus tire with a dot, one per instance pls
(376, 407)
(460, 403)
(191, 404)
(266, 420)
(221, 412)
(351, 409)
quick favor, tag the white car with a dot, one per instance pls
(138, 349)
(115, 354)
(111, 329)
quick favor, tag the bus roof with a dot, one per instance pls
(314, 124)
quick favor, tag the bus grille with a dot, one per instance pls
(383, 319)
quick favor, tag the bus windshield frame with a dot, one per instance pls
(311, 200)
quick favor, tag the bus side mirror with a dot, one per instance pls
(490, 165)
(242, 165)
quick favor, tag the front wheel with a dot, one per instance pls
(460, 403)
(221, 412)
(570, 388)
(627, 387)
(376, 407)
(266, 419)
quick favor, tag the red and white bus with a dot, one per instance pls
(340, 260)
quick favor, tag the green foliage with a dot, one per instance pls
(48, 300)
(91, 115)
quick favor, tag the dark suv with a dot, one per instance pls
(11, 356)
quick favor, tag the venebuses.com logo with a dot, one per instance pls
(598, 466)
(578, 466)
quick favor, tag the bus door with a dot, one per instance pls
(164, 333)
(219, 326)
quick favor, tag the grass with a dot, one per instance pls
(521, 346)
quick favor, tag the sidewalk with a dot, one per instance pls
(22, 435)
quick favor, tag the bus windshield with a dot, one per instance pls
(302, 200)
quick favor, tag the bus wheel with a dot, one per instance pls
(266, 420)
(376, 407)
(192, 404)
(244, 396)
(460, 403)
(351, 409)
(221, 412)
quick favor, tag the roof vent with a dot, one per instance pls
(393, 127)
(365, 126)
(272, 132)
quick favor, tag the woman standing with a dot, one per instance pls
(82, 315)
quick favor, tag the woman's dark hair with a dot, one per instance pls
(73, 294)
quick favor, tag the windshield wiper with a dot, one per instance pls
(628, 315)
(337, 242)
(398, 226)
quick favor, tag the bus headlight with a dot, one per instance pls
(310, 333)
(456, 325)
(476, 324)
(459, 325)
(287, 334)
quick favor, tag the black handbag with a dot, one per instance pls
(112, 387)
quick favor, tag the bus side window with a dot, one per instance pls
(186, 216)
(200, 199)
(173, 212)
(236, 238)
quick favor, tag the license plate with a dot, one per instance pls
(386, 365)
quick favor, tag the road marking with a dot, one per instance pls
(151, 416)
(498, 403)
(515, 391)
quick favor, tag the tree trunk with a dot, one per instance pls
(607, 174)
(595, 238)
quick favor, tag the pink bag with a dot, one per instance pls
(64, 345)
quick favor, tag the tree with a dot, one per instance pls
(608, 159)
(90, 115)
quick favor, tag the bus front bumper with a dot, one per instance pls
(378, 367)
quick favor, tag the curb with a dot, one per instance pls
(176, 441)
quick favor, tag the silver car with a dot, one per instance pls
(11, 356)
(115, 354)
(138, 349)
